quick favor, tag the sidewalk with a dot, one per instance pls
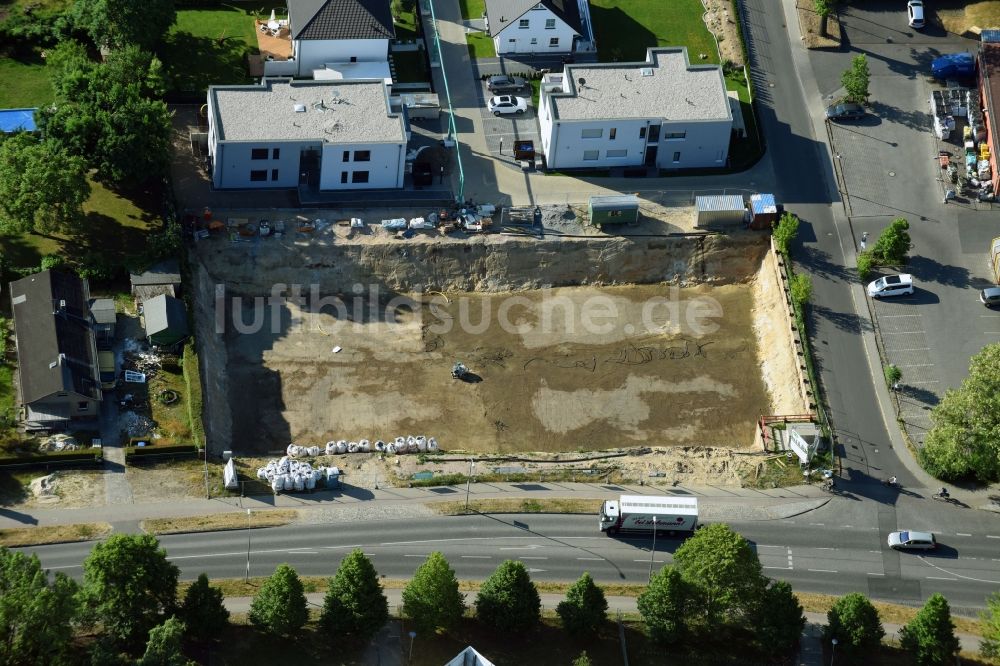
(717, 503)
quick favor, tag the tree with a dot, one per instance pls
(893, 243)
(508, 600)
(823, 9)
(723, 571)
(857, 79)
(118, 23)
(582, 659)
(355, 603)
(780, 621)
(854, 622)
(42, 188)
(930, 636)
(129, 586)
(36, 616)
(431, 599)
(801, 288)
(664, 605)
(892, 374)
(990, 645)
(164, 646)
(963, 442)
(279, 607)
(784, 232)
(585, 610)
(203, 611)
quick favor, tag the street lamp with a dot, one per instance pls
(413, 635)
(653, 551)
(833, 649)
(468, 483)
(249, 513)
(501, 145)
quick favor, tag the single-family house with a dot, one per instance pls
(58, 375)
(103, 318)
(539, 27)
(165, 320)
(161, 278)
(331, 31)
(319, 134)
(664, 113)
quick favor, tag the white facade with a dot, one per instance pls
(282, 134)
(663, 113)
(539, 31)
(313, 54)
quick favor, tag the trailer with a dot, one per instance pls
(645, 513)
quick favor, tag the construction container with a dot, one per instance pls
(613, 209)
(720, 210)
(763, 211)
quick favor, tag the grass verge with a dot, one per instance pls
(37, 536)
(192, 393)
(472, 9)
(888, 613)
(576, 506)
(480, 45)
(218, 521)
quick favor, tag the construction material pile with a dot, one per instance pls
(409, 444)
(285, 474)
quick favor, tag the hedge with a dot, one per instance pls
(151, 452)
(53, 458)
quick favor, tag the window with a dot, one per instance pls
(617, 153)
(347, 156)
(82, 406)
(343, 176)
(677, 158)
(258, 176)
(642, 132)
(675, 135)
(534, 40)
(612, 132)
(550, 24)
(354, 58)
(274, 174)
(258, 153)
(512, 41)
(591, 155)
(523, 24)
(654, 133)
(359, 177)
(362, 156)
(554, 41)
(276, 154)
(592, 133)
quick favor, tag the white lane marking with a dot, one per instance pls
(923, 381)
(876, 574)
(645, 560)
(525, 557)
(958, 575)
(823, 548)
(917, 365)
(940, 578)
(992, 536)
(407, 555)
(897, 316)
(912, 349)
(962, 534)
(779, 568)
(821, 570)
(475, 557)
(760, 545)
(592, 559)
(817, 524)
(66, 566)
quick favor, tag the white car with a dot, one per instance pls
(915, 13)
(891, 285)
(911, 539)
(505, 104)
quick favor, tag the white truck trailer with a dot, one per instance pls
(644, 513)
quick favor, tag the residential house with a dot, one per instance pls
(323, 135)
(332, 31)
(663, 113)
(161, 278)
(469, 657)
(539, 27)
(165, 319)
(56, 351)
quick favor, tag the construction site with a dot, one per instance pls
(656, 335)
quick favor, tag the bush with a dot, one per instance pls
(784, 232)
(135, 453)
(801, 288)
(892, 374)
(893, 243)
(279, 607)
(855, 623)
(865, 264)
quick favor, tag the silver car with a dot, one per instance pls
(908, 539)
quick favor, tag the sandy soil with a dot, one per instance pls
(553, 384)
(809, 25)
(969, 19)
(73, 488)
(725, 26)
(176, 480)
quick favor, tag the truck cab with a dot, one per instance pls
(609, 515)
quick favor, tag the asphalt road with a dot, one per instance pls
(816, 552)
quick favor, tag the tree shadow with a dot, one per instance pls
(915, 395)
(193, 63)
(928, 269)
(819, 263)
(627, 39)
(845, 321)
(911, 119)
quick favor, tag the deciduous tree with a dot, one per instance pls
(585, 610)
(857, 79)
(203, 611)
(431, 599)
(129, 586)
(855, 623)
(355, 603)
(664, 605)
(279, 607)
(508, 600)
(930, 636)
(893, 243)
(118, 23)
(990, 645)
(164, 647)
(42, 188)
(780, 622)
(37, 616)
(784, 232)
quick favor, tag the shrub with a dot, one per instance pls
(865, 263)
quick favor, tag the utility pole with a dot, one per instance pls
(249, 513)
(653, 551)
(468, 483)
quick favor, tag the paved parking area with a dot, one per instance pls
(509, 128)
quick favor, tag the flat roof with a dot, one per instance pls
(342, 112)
(665, 86)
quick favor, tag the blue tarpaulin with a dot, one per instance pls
(14, 120)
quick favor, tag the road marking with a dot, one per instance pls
(897, 316)
(823, 548)
(962, 534)
(817, 524)
(67, 566)
(525, 557)
(992, 536)
(301, 551)
(876, 574)
(760, 545)
(874, 551)
(779, 568)
(924, 381)
(900, 332)
(414, 556)
(957, 575)
(594, 559)
(910, 349)
(939, 578)
(643, 560)
(821, 570)
(475, 557)
(916, 365)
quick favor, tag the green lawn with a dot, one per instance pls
(209, 46)
(408, 25)
(624, 29)
(26, 83)
(411, 66)
(480, 45)
(472, 8)
(744, 152)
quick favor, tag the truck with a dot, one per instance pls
(645, 513)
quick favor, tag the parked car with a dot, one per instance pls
(891, 285)
(915, 13)
(954, 66)
(909, 539)
(505, 84)
(990, 297)
(505, 104)
(845, 111)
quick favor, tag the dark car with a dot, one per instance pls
(990, 297)
(505, 84)
(846, 111)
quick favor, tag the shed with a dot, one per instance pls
(163, 278)
(763, 211)
(613, 209)
(166, 320)
(103, 318)
(720, 210)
